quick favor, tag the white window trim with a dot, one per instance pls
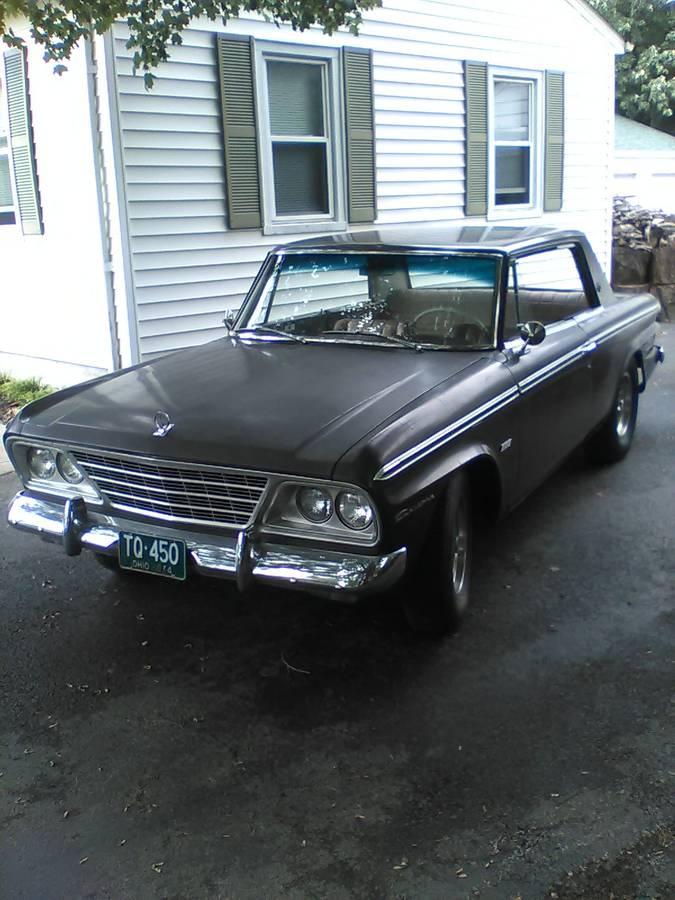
(534, 208)
(329, 58)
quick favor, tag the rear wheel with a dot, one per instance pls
(612, 441)
(437, 593)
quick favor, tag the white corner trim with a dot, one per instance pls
(596, 21)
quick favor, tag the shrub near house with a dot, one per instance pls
(16, 392)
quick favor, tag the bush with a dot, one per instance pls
(19, 391)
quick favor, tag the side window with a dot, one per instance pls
(298, 129)
(7, 216)
(545, 287)
(298, 135)
(514, 126)
(17, 148)
(514, 140)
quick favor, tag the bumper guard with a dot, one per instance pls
(239, 557)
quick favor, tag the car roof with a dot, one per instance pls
(481, 238)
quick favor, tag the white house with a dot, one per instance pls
(644, 165)
(132, 220)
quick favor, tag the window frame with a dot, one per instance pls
(329, 59)
(10, 212)
(535, 80)
(585, 278)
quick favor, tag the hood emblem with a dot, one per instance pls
(163, 424)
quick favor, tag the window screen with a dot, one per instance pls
(298, 130)
(296, 98)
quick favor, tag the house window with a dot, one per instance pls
(7, 216)
(514, 124)
(300, 146)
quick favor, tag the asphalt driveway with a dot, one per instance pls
(158, 741)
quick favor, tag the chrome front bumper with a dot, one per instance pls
(240, 557)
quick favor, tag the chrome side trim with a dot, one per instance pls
(409, 457)
(242, 559)
(619, 326)
(557, 365)
(440, 438)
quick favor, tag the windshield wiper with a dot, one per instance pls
(411, 345)
(267, 329)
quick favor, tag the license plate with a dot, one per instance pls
(156, 556)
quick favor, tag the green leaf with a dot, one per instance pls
(156, 25)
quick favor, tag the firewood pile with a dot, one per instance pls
(643, 257)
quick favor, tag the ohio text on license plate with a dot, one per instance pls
(156, 556)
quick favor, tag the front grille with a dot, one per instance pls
(172, 491)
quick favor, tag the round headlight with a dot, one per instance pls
(41, 462)
(68, 470)
(315, 504)
(354, 510)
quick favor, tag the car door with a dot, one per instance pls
(607, 323)
(553, 378)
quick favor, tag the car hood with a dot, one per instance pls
(271, 406)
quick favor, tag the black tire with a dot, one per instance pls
(612, 441)
(436, 594)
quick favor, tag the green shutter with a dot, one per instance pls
(360, 134)
(237, 88)
(554, 141)
(21, 142)
(476, 104)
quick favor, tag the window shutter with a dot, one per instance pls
(21, 142)
(237, 88)
(360, 134)
(476, 105)
(554, 141)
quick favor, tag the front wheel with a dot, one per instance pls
(437, 593)
(612, 441)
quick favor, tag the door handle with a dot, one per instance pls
(588, 347)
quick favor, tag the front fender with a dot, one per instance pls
(408, 502)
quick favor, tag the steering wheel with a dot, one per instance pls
(459, 318)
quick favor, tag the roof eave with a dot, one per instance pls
(597, 22)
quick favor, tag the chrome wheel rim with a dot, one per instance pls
(624, 406)
(460, 548)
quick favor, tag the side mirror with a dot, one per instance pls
(532, 333)
(229, 324)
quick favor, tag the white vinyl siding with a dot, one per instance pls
(188, 268)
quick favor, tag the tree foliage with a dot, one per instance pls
(645, 74)
(156, 25)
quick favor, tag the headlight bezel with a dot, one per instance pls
(282, 515)
(18, 450)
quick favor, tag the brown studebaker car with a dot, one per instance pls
(375, 396)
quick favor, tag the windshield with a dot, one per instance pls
(428, 300)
